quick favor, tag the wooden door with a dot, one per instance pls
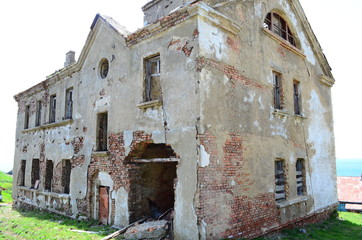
(103, 205)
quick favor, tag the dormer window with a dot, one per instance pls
(279, 26)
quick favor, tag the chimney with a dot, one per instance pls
(69, 58)
(156, 9)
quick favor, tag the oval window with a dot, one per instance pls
(103, 68)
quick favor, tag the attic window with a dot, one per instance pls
(103, 68)
(279, 26)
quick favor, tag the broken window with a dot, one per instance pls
(21, 177)
(277, 91)
(48, 175)
(279, 180)
(300, 175)
(102, 125)
(35, 177)
(279, 26)
(296, 95)
(67, 168)
(27, 116)
(38, 113)
(69, 103)
(152, 79)
(52, 109)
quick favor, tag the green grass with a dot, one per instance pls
(43, 225)
(348, 226)
(6, 181)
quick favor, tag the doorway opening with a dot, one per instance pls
(153, 178)
(103, 205)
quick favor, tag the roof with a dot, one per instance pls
(112, 23)
(349, 189)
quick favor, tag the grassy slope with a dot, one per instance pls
(44, 225)
(6, 181)
(348, 226)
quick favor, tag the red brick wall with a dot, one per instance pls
(227, 211)
(247, 215)
(121, 170)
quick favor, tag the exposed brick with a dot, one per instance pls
(232, 73)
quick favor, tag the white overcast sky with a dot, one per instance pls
(35, 35)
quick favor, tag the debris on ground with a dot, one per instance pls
(148, 230)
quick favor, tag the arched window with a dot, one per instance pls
(279, 26)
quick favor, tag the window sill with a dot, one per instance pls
(150, 104)
(283, 42)
(281, 113)
(100, 153)
(298, 118)
(286, 203)
(49, 125)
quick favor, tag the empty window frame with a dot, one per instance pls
(48, 175)
(35, 173)
(297, 98)
(280, 180)
(27, 116)
(300, 176)
(21, 177)
(278, 91)
(152, 79)
(102, 126)
(66, 170)
(38, 113)
(52, 109)
(279, 26)
(69, 103)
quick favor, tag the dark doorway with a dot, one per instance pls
(154, 181)
(103, 205)
(48, 175)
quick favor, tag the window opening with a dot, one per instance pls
(279, 181)
(35, 175)
(21, 177)
(153, 84)
(104, 67)
(277, 90)
(48, 175)
(38, 113)
(102, 131)
(279, 26)
(67, 168)
(297, 103)
(53, 105)
(69, 103)
(300, 177)
(27, 116)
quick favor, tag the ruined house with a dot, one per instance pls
(219, 109)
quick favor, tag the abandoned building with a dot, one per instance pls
(218, 109)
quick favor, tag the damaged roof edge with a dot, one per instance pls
(193, 9)
(118, 28)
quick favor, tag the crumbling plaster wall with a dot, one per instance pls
(119, 94)
(217, 115)
(236, 89)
